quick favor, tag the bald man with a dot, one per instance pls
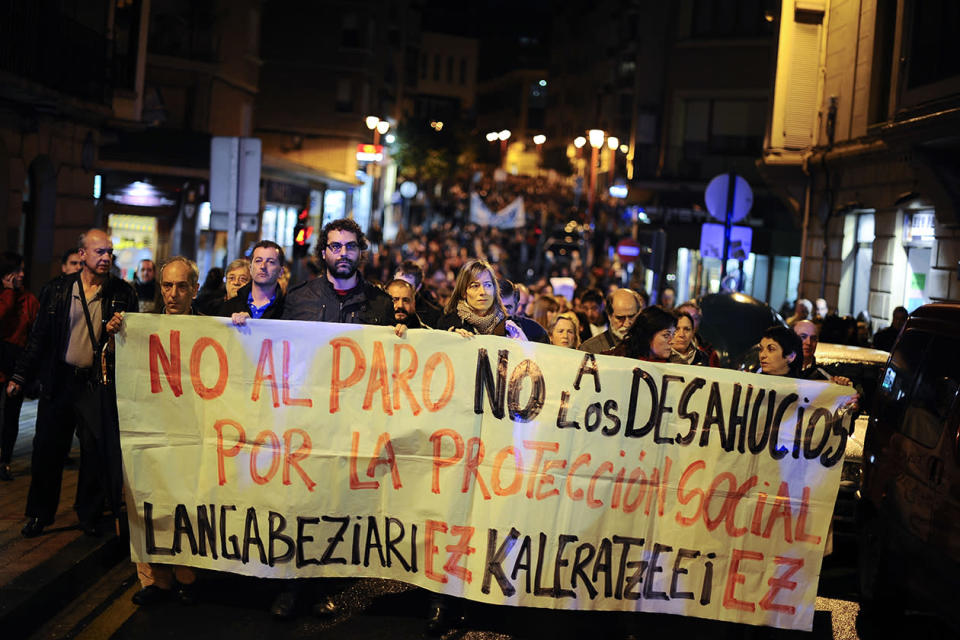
(623, 305)
(69, 351)
(808, 332)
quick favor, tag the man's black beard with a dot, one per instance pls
(333, 269)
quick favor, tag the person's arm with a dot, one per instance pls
(39, 339)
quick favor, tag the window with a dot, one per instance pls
(900, 375)
(350, 31)
(932, 38)
(450, 69)
(857, 262)
(463, 71)
(934, 394)
(436, 67)
(730, 127)
(424, 63)
(344, 96)
(729, 19)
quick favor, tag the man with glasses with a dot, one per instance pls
(70, 351)
(340, 294)
(623, 305)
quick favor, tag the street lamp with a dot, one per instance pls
(503, 136)
(378, 126)
(612, 143)
(579, 141)
(492, 136)
(539, 140)
(596, 141)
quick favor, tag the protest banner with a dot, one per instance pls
(512, 216)
(502, 471)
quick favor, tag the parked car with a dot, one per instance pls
(863, 367)
(909, 512)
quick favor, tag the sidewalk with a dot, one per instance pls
(38, 576)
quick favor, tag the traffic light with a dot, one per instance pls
(301, 236)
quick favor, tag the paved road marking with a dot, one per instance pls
(107, 623)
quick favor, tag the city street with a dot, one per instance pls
(554, 305)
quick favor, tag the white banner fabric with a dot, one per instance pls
(511, 216)
(506, 472)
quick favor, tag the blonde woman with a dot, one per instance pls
(565, 331)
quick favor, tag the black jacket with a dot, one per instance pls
(428, 312)
(317, 300)
(238, 304)
(532, 329)
(51, 332)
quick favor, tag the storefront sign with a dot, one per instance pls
(369, 152)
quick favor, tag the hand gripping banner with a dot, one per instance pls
(505, 472)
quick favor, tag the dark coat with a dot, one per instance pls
(238, 304)
(532, 329)
(51, 331)
(429, 312)
(317, 300)
(600, 342)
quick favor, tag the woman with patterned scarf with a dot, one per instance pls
(475, 306)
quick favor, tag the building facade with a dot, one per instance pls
(862, 145)
(56, 61)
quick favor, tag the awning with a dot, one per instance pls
(283, 170)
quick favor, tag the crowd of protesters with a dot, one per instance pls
(453, 277)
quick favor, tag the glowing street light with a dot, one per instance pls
(378, 127)
(579, 141)
(624, 148)
(539, 139)
(596, 137)
(503, 136)
(613, 142)
(492, 136)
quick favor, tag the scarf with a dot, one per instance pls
(481, 324)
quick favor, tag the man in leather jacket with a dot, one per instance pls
(69, 350)
(340, 294)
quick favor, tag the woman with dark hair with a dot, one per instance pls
(781, 352)
(683, 349)
(212, 293)
(18, 311)
(649, 337)
(475, 306)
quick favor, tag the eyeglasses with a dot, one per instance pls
(337, 247)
